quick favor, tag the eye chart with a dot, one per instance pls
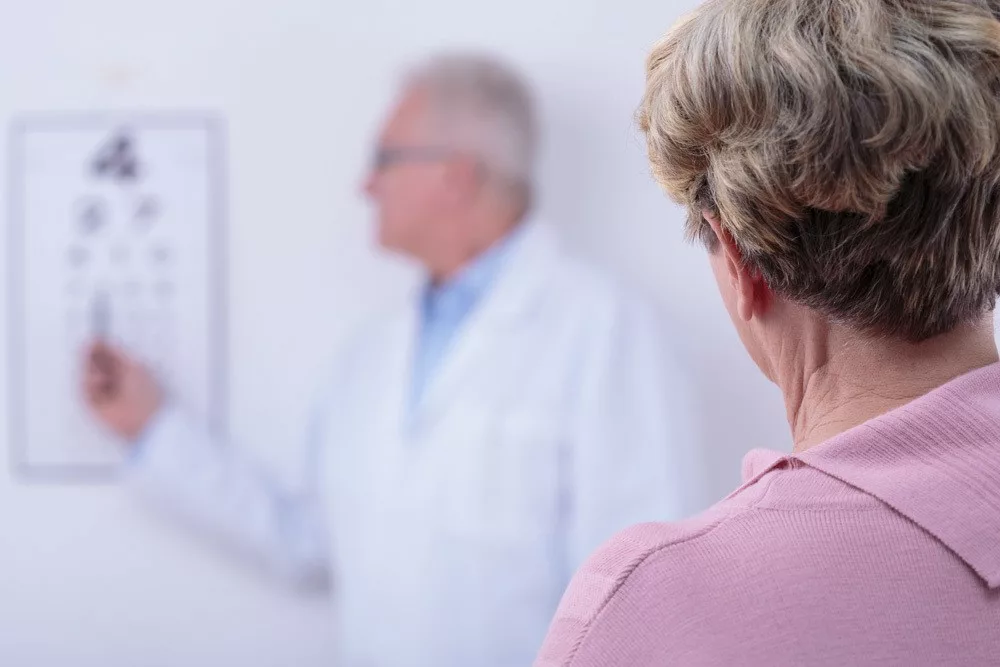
(116, 233)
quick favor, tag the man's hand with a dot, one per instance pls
(120, 391)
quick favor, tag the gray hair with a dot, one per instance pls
(851, 148)
(484, 107)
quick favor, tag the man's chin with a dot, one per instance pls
(382, 238)
(388, 242)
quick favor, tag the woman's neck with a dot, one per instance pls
(837, 379)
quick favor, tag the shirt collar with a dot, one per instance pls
(473, 281)
(935, 460)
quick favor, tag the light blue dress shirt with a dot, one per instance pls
(445, 307)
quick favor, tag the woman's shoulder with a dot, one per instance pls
(662, 588)
(610, 574)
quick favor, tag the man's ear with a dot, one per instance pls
(753, 296)
(464, 176)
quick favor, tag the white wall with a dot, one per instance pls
(88, 579)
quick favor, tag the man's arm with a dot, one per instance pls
(631, 444)
(185, 473)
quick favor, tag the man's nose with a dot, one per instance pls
(368, 184)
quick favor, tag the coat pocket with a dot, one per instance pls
(502, 483)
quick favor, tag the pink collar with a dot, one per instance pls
(935, 460)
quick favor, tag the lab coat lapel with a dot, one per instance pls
(401, 351)
(508, 300)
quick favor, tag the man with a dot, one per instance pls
(470, 449)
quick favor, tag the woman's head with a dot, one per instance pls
(848, 150)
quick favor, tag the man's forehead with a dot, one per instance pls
(407, 116)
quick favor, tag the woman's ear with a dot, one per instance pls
(753, 296)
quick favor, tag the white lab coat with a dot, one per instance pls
(450, 531)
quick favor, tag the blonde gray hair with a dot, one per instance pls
(483, 106)
(851, 148)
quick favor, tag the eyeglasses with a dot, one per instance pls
(388, 156)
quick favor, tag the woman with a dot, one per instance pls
(841, 161)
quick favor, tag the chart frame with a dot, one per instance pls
(20, 466)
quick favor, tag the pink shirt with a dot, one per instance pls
(880, 546)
